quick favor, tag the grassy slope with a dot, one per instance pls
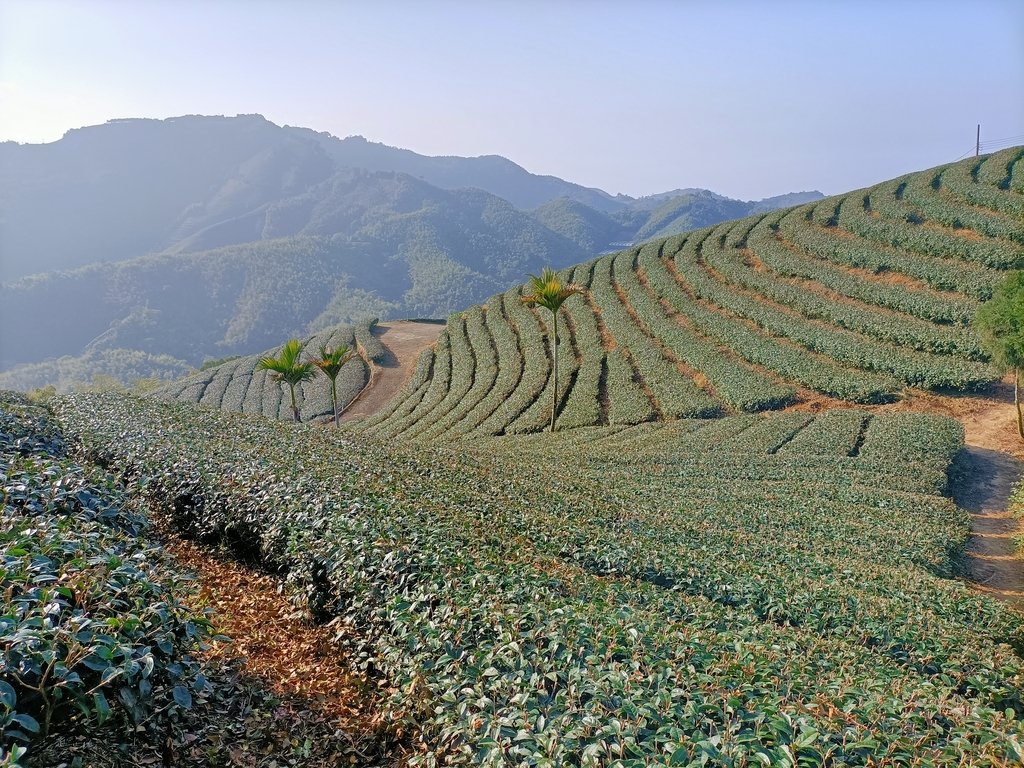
(858, 297)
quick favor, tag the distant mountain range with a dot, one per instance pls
(197, 237)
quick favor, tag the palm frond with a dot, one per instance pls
(330, 361)
(286, 366)
(548, 291)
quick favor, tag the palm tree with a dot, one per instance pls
(550, 293)
(330, 363)
(287, 368)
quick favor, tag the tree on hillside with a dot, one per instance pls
(330, 363)
(1000, 323)
(288, 368)
(550, 293)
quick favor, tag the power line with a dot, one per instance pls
(1018, 137)
(992, 146)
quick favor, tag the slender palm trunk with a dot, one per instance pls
(1016, 402)
(554, 362)
(334, 400)
(295, 408)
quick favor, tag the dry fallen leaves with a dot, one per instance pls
(296, 659)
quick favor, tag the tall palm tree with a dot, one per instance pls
(330, 363)
(550, 293)
(288, 368)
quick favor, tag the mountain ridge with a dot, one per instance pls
(176, 237)
(183, 175)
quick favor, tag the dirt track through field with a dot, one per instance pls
(991, 464)
(404, 339)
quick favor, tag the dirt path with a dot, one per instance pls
(405, 339)
(321, 700)
(992, 463)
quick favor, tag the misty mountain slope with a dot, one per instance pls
(363, 244)
(189, 306)
(131, 187)
(200, 237)
(492, 173)
(97, 368)
(127, 188)
(591, 229)
(690, 211)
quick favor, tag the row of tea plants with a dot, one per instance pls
(749, 590)
(857, 297)
(92, 630)
(240, 385)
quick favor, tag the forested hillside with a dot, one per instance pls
(371, 244)
(199, 237)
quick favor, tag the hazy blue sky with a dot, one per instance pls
(747, 98)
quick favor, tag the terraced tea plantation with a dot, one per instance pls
(858, 298)
(752, 590)
(237, 385)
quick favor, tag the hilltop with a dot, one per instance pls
(861, 298)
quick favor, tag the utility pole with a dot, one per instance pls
(977, 142)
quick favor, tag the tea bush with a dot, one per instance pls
(237, 384)
(92, 630)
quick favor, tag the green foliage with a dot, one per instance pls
(671, 592)
(675, 395)
(93, 631)
(1000, 322)
(548, 291)
(42, 395)
(240, 385)
(373, 348)
(213, 362)
(593, 230)
(688, 212)
(288, 368)
(787, 262)
(856, 297)
(330, 363)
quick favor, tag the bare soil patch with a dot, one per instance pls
(299, 661)
(405, 340)
(991, 464)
